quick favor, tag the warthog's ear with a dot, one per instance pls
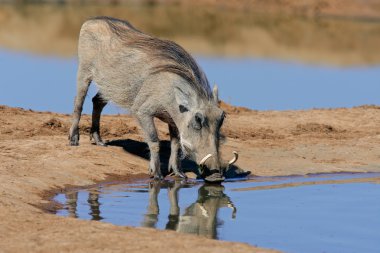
(215, 94)
(182, 99)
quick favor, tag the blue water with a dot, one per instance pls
(314, 216)
(47, 83)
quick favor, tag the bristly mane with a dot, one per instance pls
(176, 59)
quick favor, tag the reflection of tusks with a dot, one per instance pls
(234, 210)
(203, 210)
(205, 159)
(236, 156)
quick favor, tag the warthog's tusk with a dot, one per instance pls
(204, 159)
(236, 157)
(203, 210)
(234, 210)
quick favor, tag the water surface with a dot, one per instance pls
(259, 60)
(49, 83)
(321, 213)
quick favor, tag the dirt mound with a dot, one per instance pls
(14, 110)
(110, 129)
(232, 109)
(368, 107)
(259, 133)
(54, 124)
(51, 127)
(265, 133)
(119, 130)
(315, 128)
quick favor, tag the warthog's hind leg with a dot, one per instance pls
(174, 161)
(83, 82)
(98, 104)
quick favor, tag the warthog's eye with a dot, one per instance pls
(183, 109)
(198, 121)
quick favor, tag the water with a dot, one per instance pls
(260, 61)
(317, 213)
(48, 83)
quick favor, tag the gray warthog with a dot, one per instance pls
(151, 78)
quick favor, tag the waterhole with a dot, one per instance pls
(314, 213)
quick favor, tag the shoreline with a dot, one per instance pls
(37, 162)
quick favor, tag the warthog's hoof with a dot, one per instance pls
(74, 140)
(99, 143)
(180, 174)
(96, 140)
(157, 177)
(215, 178)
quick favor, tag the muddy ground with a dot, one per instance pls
(36, 160)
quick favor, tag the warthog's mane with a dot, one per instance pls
(170, 56)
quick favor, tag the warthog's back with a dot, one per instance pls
(121, 59)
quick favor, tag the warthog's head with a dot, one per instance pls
(199, 129)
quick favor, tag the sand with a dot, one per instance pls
(37, 162)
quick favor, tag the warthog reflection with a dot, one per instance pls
(92, 200)
(200, 218)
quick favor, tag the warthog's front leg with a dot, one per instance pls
(174, 162)
(174, 212)
(151, 216)
(147, 124)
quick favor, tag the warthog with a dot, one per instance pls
(151, 78)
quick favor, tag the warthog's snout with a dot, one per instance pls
(215, 175)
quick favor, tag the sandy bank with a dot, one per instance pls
(35, 159)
